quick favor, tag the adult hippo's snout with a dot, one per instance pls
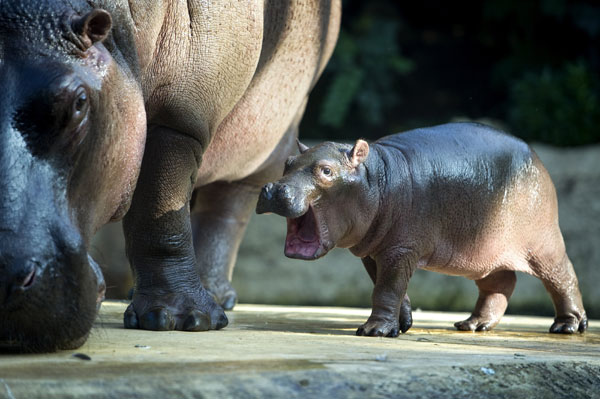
(48, 305)
(72, 132)
(50, 289)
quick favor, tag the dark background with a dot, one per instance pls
(529, 66)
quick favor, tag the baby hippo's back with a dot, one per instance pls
(480, 200)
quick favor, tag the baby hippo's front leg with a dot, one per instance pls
(393, 274)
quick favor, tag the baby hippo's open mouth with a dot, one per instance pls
(304, 238)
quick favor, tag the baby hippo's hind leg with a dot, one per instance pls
(561, 283)
(494, 293)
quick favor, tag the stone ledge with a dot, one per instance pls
(282, 351)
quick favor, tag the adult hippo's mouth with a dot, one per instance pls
(306, 238)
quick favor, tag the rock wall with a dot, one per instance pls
(264, 275)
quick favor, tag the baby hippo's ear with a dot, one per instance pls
(359, 153)
(301, 147)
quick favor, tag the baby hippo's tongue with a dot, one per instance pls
(302, 240)
(307, 232)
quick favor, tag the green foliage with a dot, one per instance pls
(557, 106)
(362, 72)
(534, 64)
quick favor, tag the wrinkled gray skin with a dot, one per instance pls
(460, 199)
(199, 100)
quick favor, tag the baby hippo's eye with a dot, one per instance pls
(325, 173)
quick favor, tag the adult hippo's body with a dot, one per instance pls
(197, 101)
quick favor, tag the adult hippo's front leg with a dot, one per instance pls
(168, 293)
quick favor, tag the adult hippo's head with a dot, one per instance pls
(72, 131)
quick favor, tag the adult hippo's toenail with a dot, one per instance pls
(222, 321)
(130, 319)
(157, 319)
(196, 321)
(229, 301)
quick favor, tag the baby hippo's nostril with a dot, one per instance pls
(267, 191)
(286, 192)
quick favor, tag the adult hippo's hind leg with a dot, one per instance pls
(405, 307)
(494, 292)
(220, 214)
(168, 293)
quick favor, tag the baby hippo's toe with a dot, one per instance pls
(569, 326)
(475, 324)
(379, 328)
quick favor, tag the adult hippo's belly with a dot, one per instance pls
(299, 40)
(172, 112)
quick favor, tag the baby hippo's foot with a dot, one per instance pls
(475, 323)
(379, 328)
(569, 325)
(188, 311)
(221, 291)
(405, 315)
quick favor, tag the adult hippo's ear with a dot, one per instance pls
(92, 27)
(301, 147)
(359, 153)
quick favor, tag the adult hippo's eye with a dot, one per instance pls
(80, 106)
(52, 116)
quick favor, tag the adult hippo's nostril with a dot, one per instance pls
(29, 279)
(17, 277)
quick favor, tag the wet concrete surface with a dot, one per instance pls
(289, 352)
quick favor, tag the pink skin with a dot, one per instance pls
(303, 238)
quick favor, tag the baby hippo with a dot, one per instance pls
(461, 199)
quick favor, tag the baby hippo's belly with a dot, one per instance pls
(521, 228)
(478, 261)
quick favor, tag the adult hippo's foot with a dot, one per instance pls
(222, 292)
(192, 312)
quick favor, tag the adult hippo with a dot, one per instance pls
(197, 101)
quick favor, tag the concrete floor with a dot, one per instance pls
(289, 352)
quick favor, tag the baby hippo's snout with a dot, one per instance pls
(280, 199)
